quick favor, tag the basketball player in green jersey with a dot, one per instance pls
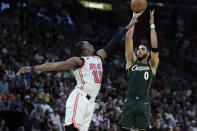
(141, 70)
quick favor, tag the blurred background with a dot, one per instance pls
(38, 31)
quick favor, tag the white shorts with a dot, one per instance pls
(79, 110)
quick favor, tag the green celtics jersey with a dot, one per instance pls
(139, 79)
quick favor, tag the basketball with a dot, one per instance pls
(138, 5)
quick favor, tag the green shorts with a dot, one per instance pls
(136, 113)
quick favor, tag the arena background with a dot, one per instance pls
(37, 31)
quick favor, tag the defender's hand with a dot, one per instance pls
(152, 17)
(23, 70)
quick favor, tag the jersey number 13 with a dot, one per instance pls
(97, 76)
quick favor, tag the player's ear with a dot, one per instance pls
(148, 53)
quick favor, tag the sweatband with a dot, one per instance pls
(155, 49)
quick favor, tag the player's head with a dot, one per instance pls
(84, 48)
(144, 52)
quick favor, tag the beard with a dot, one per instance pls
(141, 58)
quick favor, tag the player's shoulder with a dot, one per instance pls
(75, 58)
(95, 57)
(78, 60)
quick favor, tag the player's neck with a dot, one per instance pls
(86, 54)
(144, 61)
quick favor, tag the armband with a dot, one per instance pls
(155, 50)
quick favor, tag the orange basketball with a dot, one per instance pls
(138, 5)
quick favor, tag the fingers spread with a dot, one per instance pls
(153, 11)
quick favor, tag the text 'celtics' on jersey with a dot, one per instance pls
(140, 76)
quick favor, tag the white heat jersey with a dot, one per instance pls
(89, 76)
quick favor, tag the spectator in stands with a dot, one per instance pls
(61, 102)
(2, 106)
(193, 125)
(27, 104)
(55, 118)
(33, 123)
(16, 104)
(4, 85)
(3, 126)
(97, 117)
(157, 125)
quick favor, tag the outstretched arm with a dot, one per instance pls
(116, 39)
(154, 61)
(129, 54)
(109, 48)
(71, 63)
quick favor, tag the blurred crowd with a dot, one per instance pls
(37, 32)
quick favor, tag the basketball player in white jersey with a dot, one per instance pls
(88, 70)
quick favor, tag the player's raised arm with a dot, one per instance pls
(116, 39)
(109, 48)
(71, 63)
(129, 54)
(154, 61)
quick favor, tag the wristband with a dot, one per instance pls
(129, 26)
(152, 26)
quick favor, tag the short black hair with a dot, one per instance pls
(149, 48)
(79, 48)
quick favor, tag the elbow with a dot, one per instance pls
(54, 67)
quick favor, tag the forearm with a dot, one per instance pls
(42, 68)
(153, 38)
(71, 63)
(61, 65)
(115, 40)
(129, 40)
(129, 46)
(120, 34)
(129, 35)
(45, 67)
